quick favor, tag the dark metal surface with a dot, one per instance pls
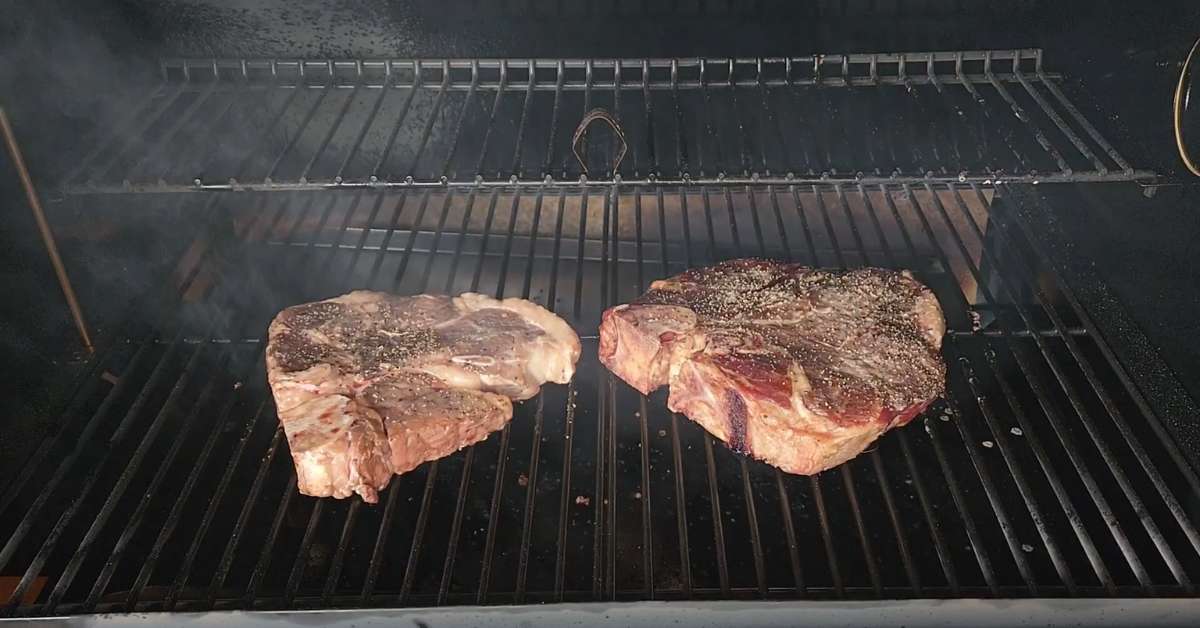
(236, 124)
(1040, 474)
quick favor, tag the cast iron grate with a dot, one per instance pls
(170, 487)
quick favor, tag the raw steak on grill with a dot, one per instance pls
(799, 367)
(371, 384)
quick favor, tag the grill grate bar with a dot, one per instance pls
(1131, 440)
(168, 529)
(1052, 87)
(424, 141)
(487, 133)
(412, 239)
(505, 434)
(265, 555)
(163, 173)
(231, 545)
(297, 572)
(611, 208)
(385, 527)
(361, 135)
(333, 128)
(184, 573)
(468, 460)
(1002, 442)
(414, 550)
(1021, 115)
(1078, 142)
(730, 83)
(846, 472)
(125, 142)
(939, 544)
(73, 411)
(120, 128)
(515, 169)
(414, 553)
(1018, 476)
(121, 485)
(1139, 399)
(1135, 563)
(291, 144)
(877, 461)
(998, 509)
(1081, 533)
(1106, 399)
(497, 491)
(710, 463)
(455, 528)
(93, 476)
(261, 142)
(756, 544)
(682, 527)
(1105, 451)
(814, 482)
(784, 500)
(458, 249)
(985, 110)
(433, 248)
(395, 132)
(527, 524)
(152, 154)
(643, 419)
(339, 556)
(601, 428)
(835, 569)
(939, 541)
(30, 519)
(458, 125)
(560, 558)
(135, 520)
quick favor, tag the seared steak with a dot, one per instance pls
(370, 384)
(799, 367)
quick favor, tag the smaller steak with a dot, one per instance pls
(799, 367)
(368, 384)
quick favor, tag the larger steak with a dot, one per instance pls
(799, 367)
(370, 384)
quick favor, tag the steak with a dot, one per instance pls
(369, 384)
(799, 367)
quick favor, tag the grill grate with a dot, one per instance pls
(869, 118)
(1039, 475)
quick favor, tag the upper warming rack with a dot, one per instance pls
(222, 124)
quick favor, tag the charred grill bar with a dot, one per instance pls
(1043, 472)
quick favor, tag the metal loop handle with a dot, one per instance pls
(1181, 102)
(581, 130)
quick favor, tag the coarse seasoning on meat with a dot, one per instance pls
(369, 384)
(802, 368)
